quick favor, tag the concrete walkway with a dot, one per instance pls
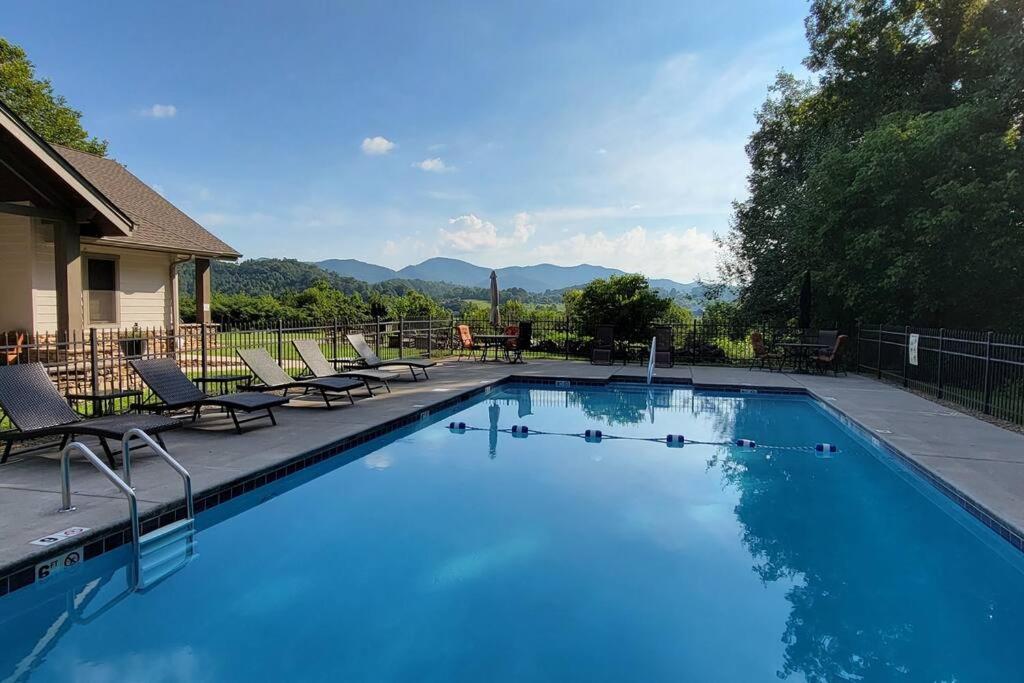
(980, 460)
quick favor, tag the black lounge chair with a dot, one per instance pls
(175, 391)
(311, 354)
(36, 409)
(603, 348)
(370, 359)
(272, 377)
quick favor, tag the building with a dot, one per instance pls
(84, 243)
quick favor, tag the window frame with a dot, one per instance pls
(116, 291)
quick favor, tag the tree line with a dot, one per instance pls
(895, 175)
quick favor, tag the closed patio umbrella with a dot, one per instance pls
(495, 313)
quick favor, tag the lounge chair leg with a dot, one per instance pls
(160, 440)
(326, 400)
(234, 418)
(350, 399)
(270, 414)
(369, 389)
(195, 413)
(413, 371)
(108, 453)
(7, 451)
(387, 386)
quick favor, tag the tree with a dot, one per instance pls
(33, 99)
(897, 177)
(626, 301)
(513, 310)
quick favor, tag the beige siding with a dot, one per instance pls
(144, 293)
(15, 272)
(44, 298)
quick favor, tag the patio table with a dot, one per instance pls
(223, 381)
(800, 354)
(497, 341)
(103, 400)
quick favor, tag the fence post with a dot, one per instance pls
(280, 342)
(430, 336)
(376, 336)
(568, 322)
(906, 351)
(942, 335)
(334, 340)
(401, 336)
(878, 358)
(94, 382)
(693, 344)
(202, 348)
(988, 373)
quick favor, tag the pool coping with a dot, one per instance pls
(22, 573)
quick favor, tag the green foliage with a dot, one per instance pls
(34, 101)
(898, 177)
(414, 306)
(625, 301)
(512, 310)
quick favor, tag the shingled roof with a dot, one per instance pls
(159, 224)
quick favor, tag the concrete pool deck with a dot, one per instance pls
(975, 459)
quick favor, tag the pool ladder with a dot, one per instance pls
(160, 552)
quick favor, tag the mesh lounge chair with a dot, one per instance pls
(603, 346)
(310, 353)
(174, 390)
(370, 359)
(524, 338)
(272, 377)
(466, 344)
(664, 347)
(37, 409)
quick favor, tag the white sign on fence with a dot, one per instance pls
(912, 348)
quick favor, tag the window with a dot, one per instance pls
(101, 280)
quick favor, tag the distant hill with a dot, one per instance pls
(539, 278)
(367, 272)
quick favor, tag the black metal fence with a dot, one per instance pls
(981, 371)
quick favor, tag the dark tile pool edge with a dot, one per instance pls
(22, 573)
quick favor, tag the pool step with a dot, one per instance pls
(164, 551)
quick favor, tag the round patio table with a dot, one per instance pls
(800, 354)
(497, 341)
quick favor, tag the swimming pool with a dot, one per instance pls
(433, 555)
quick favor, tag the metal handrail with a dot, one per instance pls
(159, 450)
(65, 483)
(650, 360)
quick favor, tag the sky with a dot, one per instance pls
(501, 133)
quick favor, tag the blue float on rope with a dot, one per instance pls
(747, 443)
(457, 427)
(826, 448)
(592, 435)
(520, 431)
(675, 440)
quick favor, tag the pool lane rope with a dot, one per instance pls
(671, 440)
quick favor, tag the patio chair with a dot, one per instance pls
(664, 347)
(827, 338)
(603, 348)
(763, 356)
(175, 391)
(370, 359)
(272, 377)
(833, 359)
(313, 356)
(466, 344)
(36, 409)
(524, 339)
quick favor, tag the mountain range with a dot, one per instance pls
(538, 278)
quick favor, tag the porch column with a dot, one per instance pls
(67, 263)
(203, 290)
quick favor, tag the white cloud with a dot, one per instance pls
(600, 150)
(681, 255)
(161, 111)
(376, 146)
(471, 233)
(433, 165)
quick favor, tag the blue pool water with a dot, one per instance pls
(432, 556)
